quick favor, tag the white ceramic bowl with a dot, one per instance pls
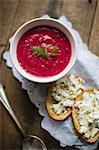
(37, 22)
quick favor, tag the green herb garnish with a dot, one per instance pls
(44, 52)
(55, 49)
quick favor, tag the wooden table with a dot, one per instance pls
(84, 14)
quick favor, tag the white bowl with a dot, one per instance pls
(37, 22)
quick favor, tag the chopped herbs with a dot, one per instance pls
(55, 49)
(44, 52)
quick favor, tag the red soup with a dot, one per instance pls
(43, 51)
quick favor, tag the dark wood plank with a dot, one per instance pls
(28, 10)
(54, 8)
(80, 13)
(94, 37)
(9, 130)
(7, 13)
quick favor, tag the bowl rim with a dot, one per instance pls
(41, 79)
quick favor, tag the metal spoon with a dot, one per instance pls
(30, 142)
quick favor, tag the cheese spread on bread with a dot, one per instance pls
(65, 91)
(88, 114)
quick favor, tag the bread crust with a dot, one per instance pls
(49, 101)
(76, 122)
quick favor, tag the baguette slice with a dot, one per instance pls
(49, 101)
(76, 122)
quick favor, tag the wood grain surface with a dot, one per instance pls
(94, 34)
(84, 15)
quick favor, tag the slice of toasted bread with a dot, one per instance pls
(76, 122)
(49, 101)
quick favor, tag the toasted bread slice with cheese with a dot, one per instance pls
(61, 96)
(76, 123)
(49, 101)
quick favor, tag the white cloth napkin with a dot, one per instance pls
(87, 66)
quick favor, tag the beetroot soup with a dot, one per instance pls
(43, 51)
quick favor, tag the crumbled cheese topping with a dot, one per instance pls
(58, 108)
(65, 91)
(88, 114)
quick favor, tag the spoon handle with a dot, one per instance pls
(5, 102)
